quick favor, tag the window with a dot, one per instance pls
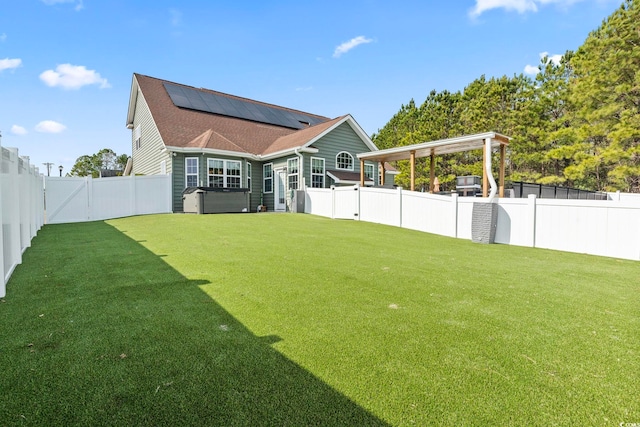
(292, 174)
(267, 171)
(249, 176)
(191, 171)
(223, 173)
(344, 160)
(369, 171)
(137, 136)
(216, 172)
(234, 174)
(317, 172)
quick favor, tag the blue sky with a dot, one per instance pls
(66, 65)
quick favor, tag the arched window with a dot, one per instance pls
(344, 160)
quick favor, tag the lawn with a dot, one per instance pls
(292, 319)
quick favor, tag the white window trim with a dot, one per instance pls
(186, 170)
(373, 171)
(249, 169)
(297, 173)
(137, 137)
(318, 174)
(264, 178)
(352, 161)
(225, 173)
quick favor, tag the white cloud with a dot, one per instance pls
(520, 6)
(8, 64)
(49, 126)
(3, 37)
(531, 70)
(553, 58)
(18, 130)
(73, 77)
(304, 89)
(79, 4)
(347, 46)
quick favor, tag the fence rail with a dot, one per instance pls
(598, 227)
(21, 210)
(542, 191)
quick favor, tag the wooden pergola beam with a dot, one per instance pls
(413, 169)
(447, 146)
(503, 149)
(432, 175)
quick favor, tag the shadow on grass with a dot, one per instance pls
(97, 330)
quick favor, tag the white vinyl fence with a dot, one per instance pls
(606, 228)
(21, 209)
(74, 199)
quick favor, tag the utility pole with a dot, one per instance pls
(48, 165)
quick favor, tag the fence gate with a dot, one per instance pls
(67, 200)
(346, 203)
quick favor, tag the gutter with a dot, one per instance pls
(203, 151)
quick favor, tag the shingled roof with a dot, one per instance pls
(185, 129)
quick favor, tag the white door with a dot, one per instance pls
(280, 194)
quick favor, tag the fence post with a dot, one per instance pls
(169, 183)
(399, 191)
(89, 185)
(531, 209)
(3, 281)
(41, 199)
(24, 200)
(333, 202)
(14, 218)
(34, 201)
(357, 213)
(454, 214)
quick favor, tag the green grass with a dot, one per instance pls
(265, 319)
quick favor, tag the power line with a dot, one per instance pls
(48, 165)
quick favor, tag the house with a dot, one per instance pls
(212, 139)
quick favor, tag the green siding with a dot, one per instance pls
(179, 184)
(267, 198)
(389, 179)
(342, 138)
(256, 185)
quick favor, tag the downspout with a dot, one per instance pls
(492, 181)
(293, 195)
(296, 151)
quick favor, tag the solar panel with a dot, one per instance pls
(193, 99)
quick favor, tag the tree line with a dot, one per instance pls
(576, 123)
(93, 164)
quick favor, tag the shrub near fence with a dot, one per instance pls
(597, 227)
(21, 210)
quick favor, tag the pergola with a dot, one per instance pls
(485, 141)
